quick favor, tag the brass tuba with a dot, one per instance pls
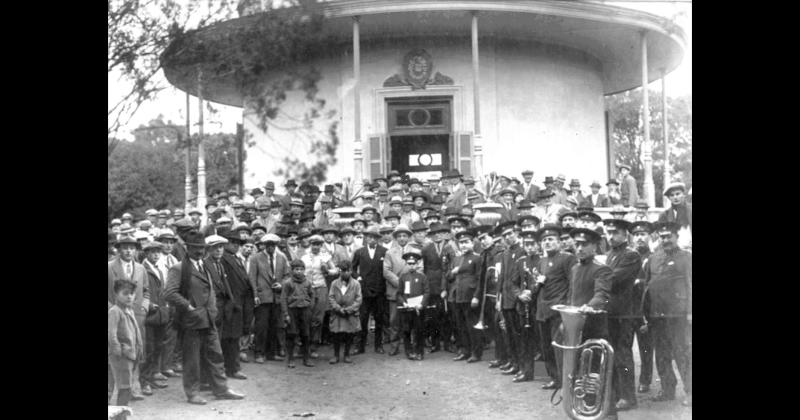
(587, 394)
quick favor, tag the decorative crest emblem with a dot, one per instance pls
(417, 71)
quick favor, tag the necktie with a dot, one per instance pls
(271, 265)
(128, 269)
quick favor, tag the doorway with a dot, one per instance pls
(420, 135)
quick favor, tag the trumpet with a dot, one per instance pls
(480, 325)
(587, 393)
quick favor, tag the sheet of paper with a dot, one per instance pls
(415, 301)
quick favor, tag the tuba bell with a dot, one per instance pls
(586, 393)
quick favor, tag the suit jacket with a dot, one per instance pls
(532, 193)
(601, 201)
(116, 272)
(228, 309)
(629, 191)
(242, 293)
(261, 281)
(370, 270)
(625, 264)
(668, 215)
(457, 198)
(508, 214)
(158, 312)
(179, 250)
(436, 264)
(199, 294)
(339, 253)
(394, 266)
(669, 284)
(590, 284)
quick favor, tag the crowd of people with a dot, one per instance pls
(270, 277)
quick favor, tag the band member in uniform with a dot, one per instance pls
(412, 284)
(552, 286)
(466, 268)
(590, 289)
(527, 268)
(625, 264)
(509, 288)
(436, 256)
(491, 257)
(641, 240)
(668, 274)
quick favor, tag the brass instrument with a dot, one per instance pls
(480, 325)
(525, 304)
(587, 394)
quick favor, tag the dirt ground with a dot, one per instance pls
(378, 386)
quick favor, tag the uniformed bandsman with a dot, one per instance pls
(625, 264)
(466, 268)
(641, 241)
(526, 310)
(509, 289)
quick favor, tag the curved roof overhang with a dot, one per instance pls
(610, 34)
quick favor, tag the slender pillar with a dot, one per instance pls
(478, 139)
(201, 155)
(665, 129)
(358, 154)
(188, 185)
(647, 149)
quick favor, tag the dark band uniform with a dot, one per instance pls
(556, 268)
(488, 280)
(466, 283)
(625, 264)
(510, 289)
(526, 313)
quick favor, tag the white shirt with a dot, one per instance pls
(128, 267)
(371, 251)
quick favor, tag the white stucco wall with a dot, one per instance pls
(541, 108)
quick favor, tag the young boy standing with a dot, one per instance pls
(296, 297)
(412, 285)
(344, 299)
(124, 341)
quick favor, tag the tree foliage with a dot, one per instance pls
(265, 59)
(150, 171)
(628, 136)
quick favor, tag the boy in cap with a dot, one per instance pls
(344, 299)
(297, 295)
(125, 266)
(412, 285)
(125, 343)
(318, 266)
(668, 310)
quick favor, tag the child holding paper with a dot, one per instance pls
(412, 297)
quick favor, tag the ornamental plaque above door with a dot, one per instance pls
(417, 72)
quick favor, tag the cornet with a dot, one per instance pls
(587, 394)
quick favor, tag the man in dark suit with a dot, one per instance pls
(628, 190)
(243, 296)
(268, 270)
(595, 199)
(668, 309)
(229, 307)
(680, 211)
(367, 267)
(529, 189)
(466, 269)
(286, 199)
(509, 210)
(625, 264)
(641, 239)
(191, 292)
(509, 291)
(436, 256)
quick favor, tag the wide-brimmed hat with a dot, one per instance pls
(126, 239)
(451, 173)
(329, 229)
(400, 229)
(439, 227)
(373, 230)
(315, 239)
(153, 245)
(675, 186)
(418, 226)
(194, 238)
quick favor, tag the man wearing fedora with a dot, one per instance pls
(124, 266)
(286, 199)
(529, 188)
(367, 268)
(458, 195)
(546, 209)
(561, 193)
(395, 266)
(628, 190)
(190, 290)
(268, 269)
(242, 295)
